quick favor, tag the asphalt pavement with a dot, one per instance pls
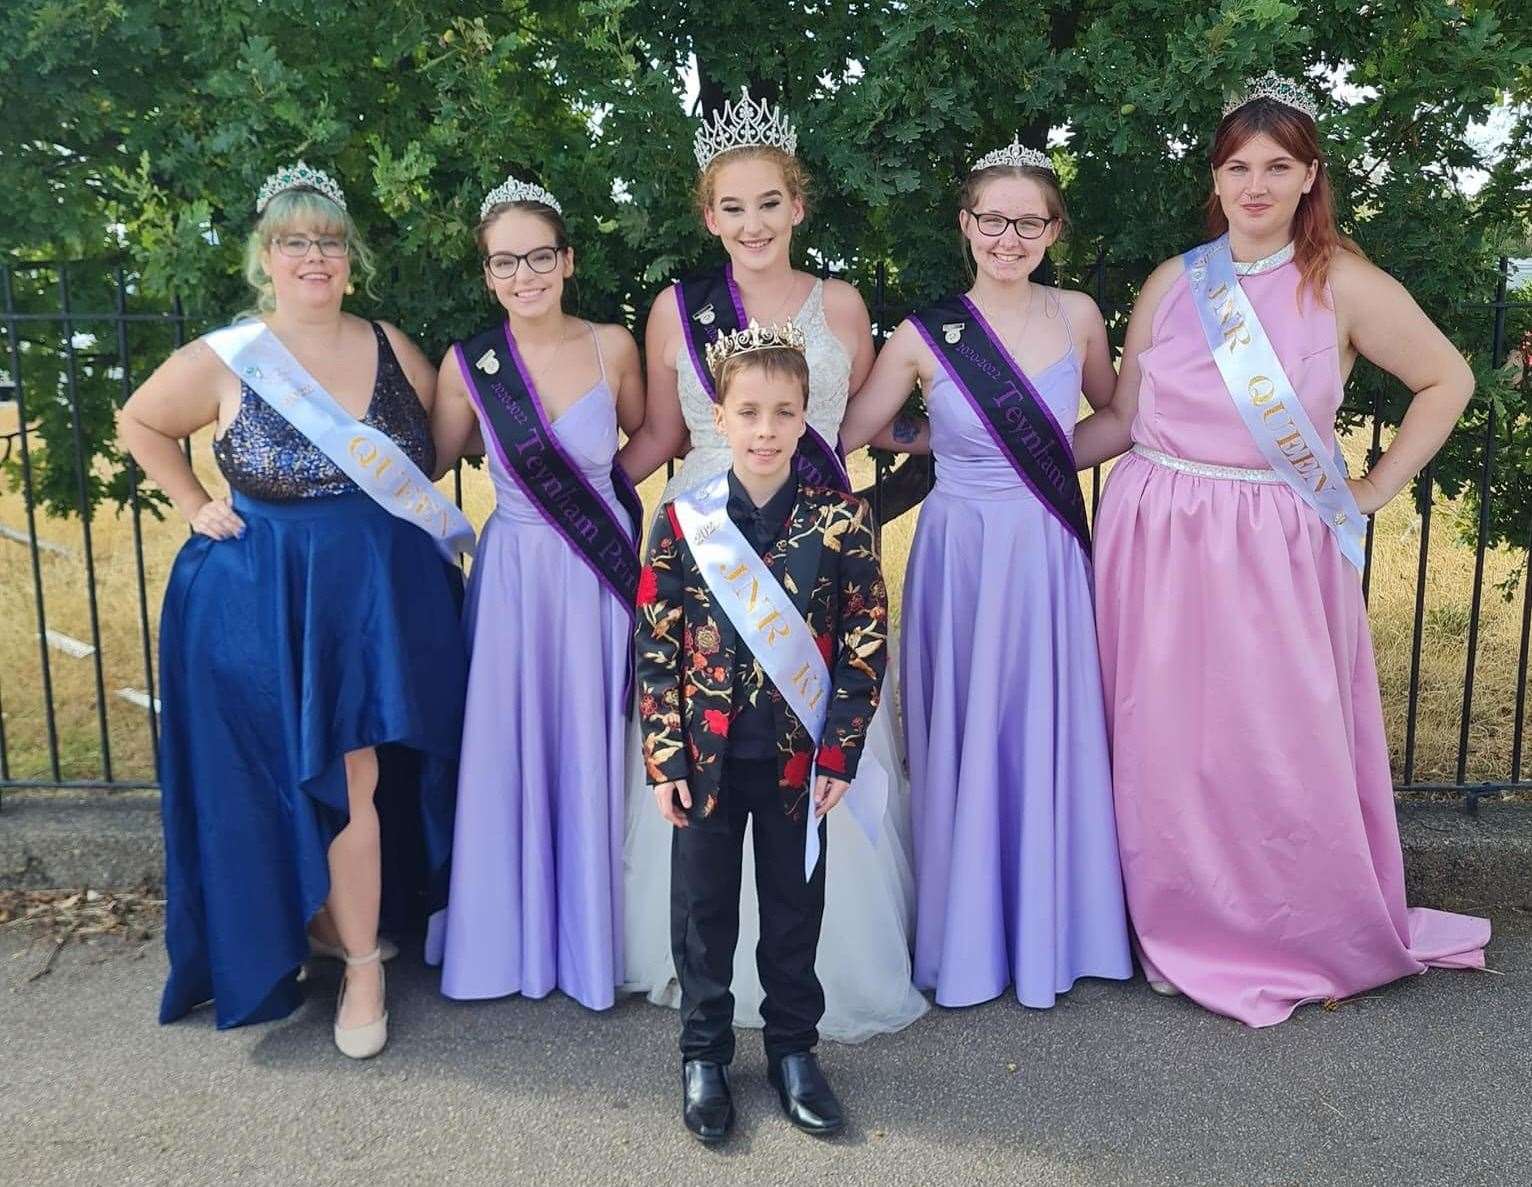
(1427, 1081)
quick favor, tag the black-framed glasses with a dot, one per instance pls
(503, 264)
(1028, 226)
(297, 246)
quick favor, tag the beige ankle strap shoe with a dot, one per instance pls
(322, 951)
(366, 1040)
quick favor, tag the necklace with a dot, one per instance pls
(1021, 334)
(1275, 260)
(545, 352)
(792, 287)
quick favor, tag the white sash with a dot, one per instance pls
(371, 459)
(1266, 400)
(779, 638)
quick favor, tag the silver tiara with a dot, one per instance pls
(754, 337)
(1014, 153)
(511, 190)
(746, 124)
(298, 177)
(1283, 90)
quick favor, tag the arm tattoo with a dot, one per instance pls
(906, 428)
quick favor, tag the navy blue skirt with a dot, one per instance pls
(329, 627)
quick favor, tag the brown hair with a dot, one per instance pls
(772, 361)
(542, 210)
(1316, 238)
(793, 172)
(973, 187)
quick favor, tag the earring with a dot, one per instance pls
(350, 288)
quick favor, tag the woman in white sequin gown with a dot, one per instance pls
(751, 198)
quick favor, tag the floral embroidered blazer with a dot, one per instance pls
(827, 561)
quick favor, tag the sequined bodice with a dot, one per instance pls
(263, 456)
(829, 384)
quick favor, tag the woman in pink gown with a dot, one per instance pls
(1255, 806)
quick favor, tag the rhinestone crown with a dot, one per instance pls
(511, 190)
(754, 337)
(1282, 90)
(743, 124)
(298, 177)
(1014, 153)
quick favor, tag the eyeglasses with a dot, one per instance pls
(1028, 226)
(297, 246)
(503, 264)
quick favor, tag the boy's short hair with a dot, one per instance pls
(772, 361)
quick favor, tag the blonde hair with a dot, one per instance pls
(310, 210)
(793, 172)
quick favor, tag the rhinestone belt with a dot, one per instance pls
(1205, 469)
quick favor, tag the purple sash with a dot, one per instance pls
(1008, 405)
(519, 433)
(710, 305)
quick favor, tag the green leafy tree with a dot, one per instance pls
(140, 129)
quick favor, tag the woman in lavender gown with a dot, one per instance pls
(1016, 873)
(535, 902)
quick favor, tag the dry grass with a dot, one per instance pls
(1448, 594)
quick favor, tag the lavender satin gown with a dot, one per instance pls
(1016, 872)
(535, 902)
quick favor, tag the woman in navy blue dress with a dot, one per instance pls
(311, 663)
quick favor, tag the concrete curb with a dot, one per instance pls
(104, 840)
(112, 841)
(1455, 860)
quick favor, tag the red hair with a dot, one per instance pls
(1316, 238)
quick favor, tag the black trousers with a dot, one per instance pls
(705, 865)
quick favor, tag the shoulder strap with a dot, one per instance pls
(1008, 405)
(600, 358)
(1057, 296)
(529, 450)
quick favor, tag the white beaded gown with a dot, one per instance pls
(864, 945)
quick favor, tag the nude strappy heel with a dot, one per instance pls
(319, 950)
(365, 1041)
(323, 950)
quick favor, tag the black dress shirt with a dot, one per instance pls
(753, 734)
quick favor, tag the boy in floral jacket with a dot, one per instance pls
(722, 744)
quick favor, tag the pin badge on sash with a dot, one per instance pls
(488, 363)
(952, 331)
(705, 316)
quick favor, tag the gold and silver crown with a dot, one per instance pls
(745, 124)
(298, 177)
(1285, 91)
(754, 337)
(511, 190)
(1014, 153)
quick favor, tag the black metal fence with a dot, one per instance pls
(70, 360)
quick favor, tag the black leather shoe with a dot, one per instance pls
(806, 1095)
(707, 1106)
